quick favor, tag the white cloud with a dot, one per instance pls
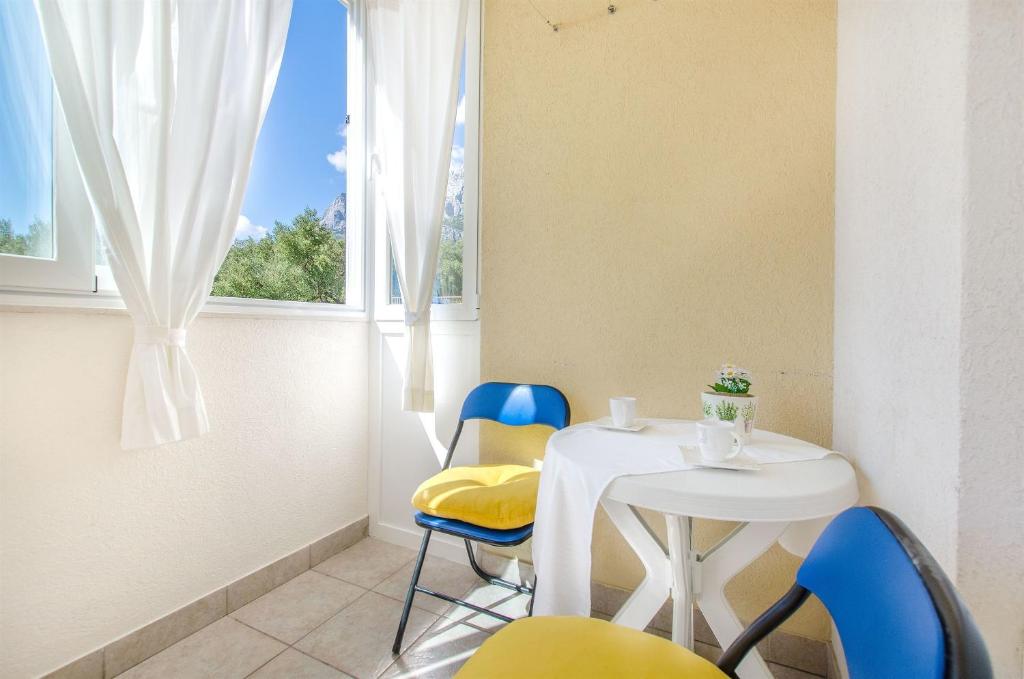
(458, 154)
(460, 112)
(246, 229)
(339, 159)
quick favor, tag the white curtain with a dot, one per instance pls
(415, 54)
(164, 100)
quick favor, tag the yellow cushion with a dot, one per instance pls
(499, 496)
(582, 648)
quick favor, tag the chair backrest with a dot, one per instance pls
(897, 613)
(517, 405)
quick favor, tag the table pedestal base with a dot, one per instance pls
(689, 577)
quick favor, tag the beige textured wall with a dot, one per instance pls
(657, 199)
(96, 541)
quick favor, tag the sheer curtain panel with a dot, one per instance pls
(164, 100)
(415, 55)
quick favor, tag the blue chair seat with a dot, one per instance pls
(500, 538)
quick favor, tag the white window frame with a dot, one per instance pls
(47, 287)
(468, 309)
(71, 268)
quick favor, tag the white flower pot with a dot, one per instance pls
(730, 408)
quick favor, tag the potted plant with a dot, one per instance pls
(729, 398)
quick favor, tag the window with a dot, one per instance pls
(41, 246)
(448, 283)
(26, 136)
(455, 284)
(299, 242)
(292, 241)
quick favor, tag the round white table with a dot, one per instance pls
(767, 502)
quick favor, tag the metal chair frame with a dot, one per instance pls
(473, 413)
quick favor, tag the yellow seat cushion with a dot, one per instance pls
(582, 648)
(498, 496)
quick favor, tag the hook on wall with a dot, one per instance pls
(555, 26)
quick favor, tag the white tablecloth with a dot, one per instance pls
(574, 477)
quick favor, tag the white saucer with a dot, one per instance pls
(606, 423)
(691, 454)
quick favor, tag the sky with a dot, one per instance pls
(300, 157)
(26, 150)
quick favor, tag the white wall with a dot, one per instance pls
(407, 448)
(899, 190)
(990, 559)
(929, 327)
(97, 541)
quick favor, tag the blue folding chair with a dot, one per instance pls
(897, 614)
(456, 500)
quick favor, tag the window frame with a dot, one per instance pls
(71, 268)
(100, 292)
(469, 308)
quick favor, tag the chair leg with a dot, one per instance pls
(493, 579)
(396, 649)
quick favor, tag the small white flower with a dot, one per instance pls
(729, 371)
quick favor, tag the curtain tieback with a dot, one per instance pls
(411, 318)
(155, 334)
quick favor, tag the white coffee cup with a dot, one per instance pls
(623, 410)
(718, 440)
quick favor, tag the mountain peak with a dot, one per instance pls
(334, 216)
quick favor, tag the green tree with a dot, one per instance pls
(36, 243)
(310, 246)
(449, 264)
(301, 261)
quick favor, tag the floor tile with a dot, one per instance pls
(658, 632)
(255, 585)
(297, 607)
(707, 651)
(833, 665)
(358, 639)
(86, 667)
(498, 599)
(227, 649)
(438, 574)
(783, 672)
(439, 653)
(650, 629)
(339, 540)
(133, 648)
(367, 563)
(511, 569)
(294, 665)
(809, 655)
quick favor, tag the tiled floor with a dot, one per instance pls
(339, 620)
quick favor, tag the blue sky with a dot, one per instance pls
(300, 157)
(25, 118)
